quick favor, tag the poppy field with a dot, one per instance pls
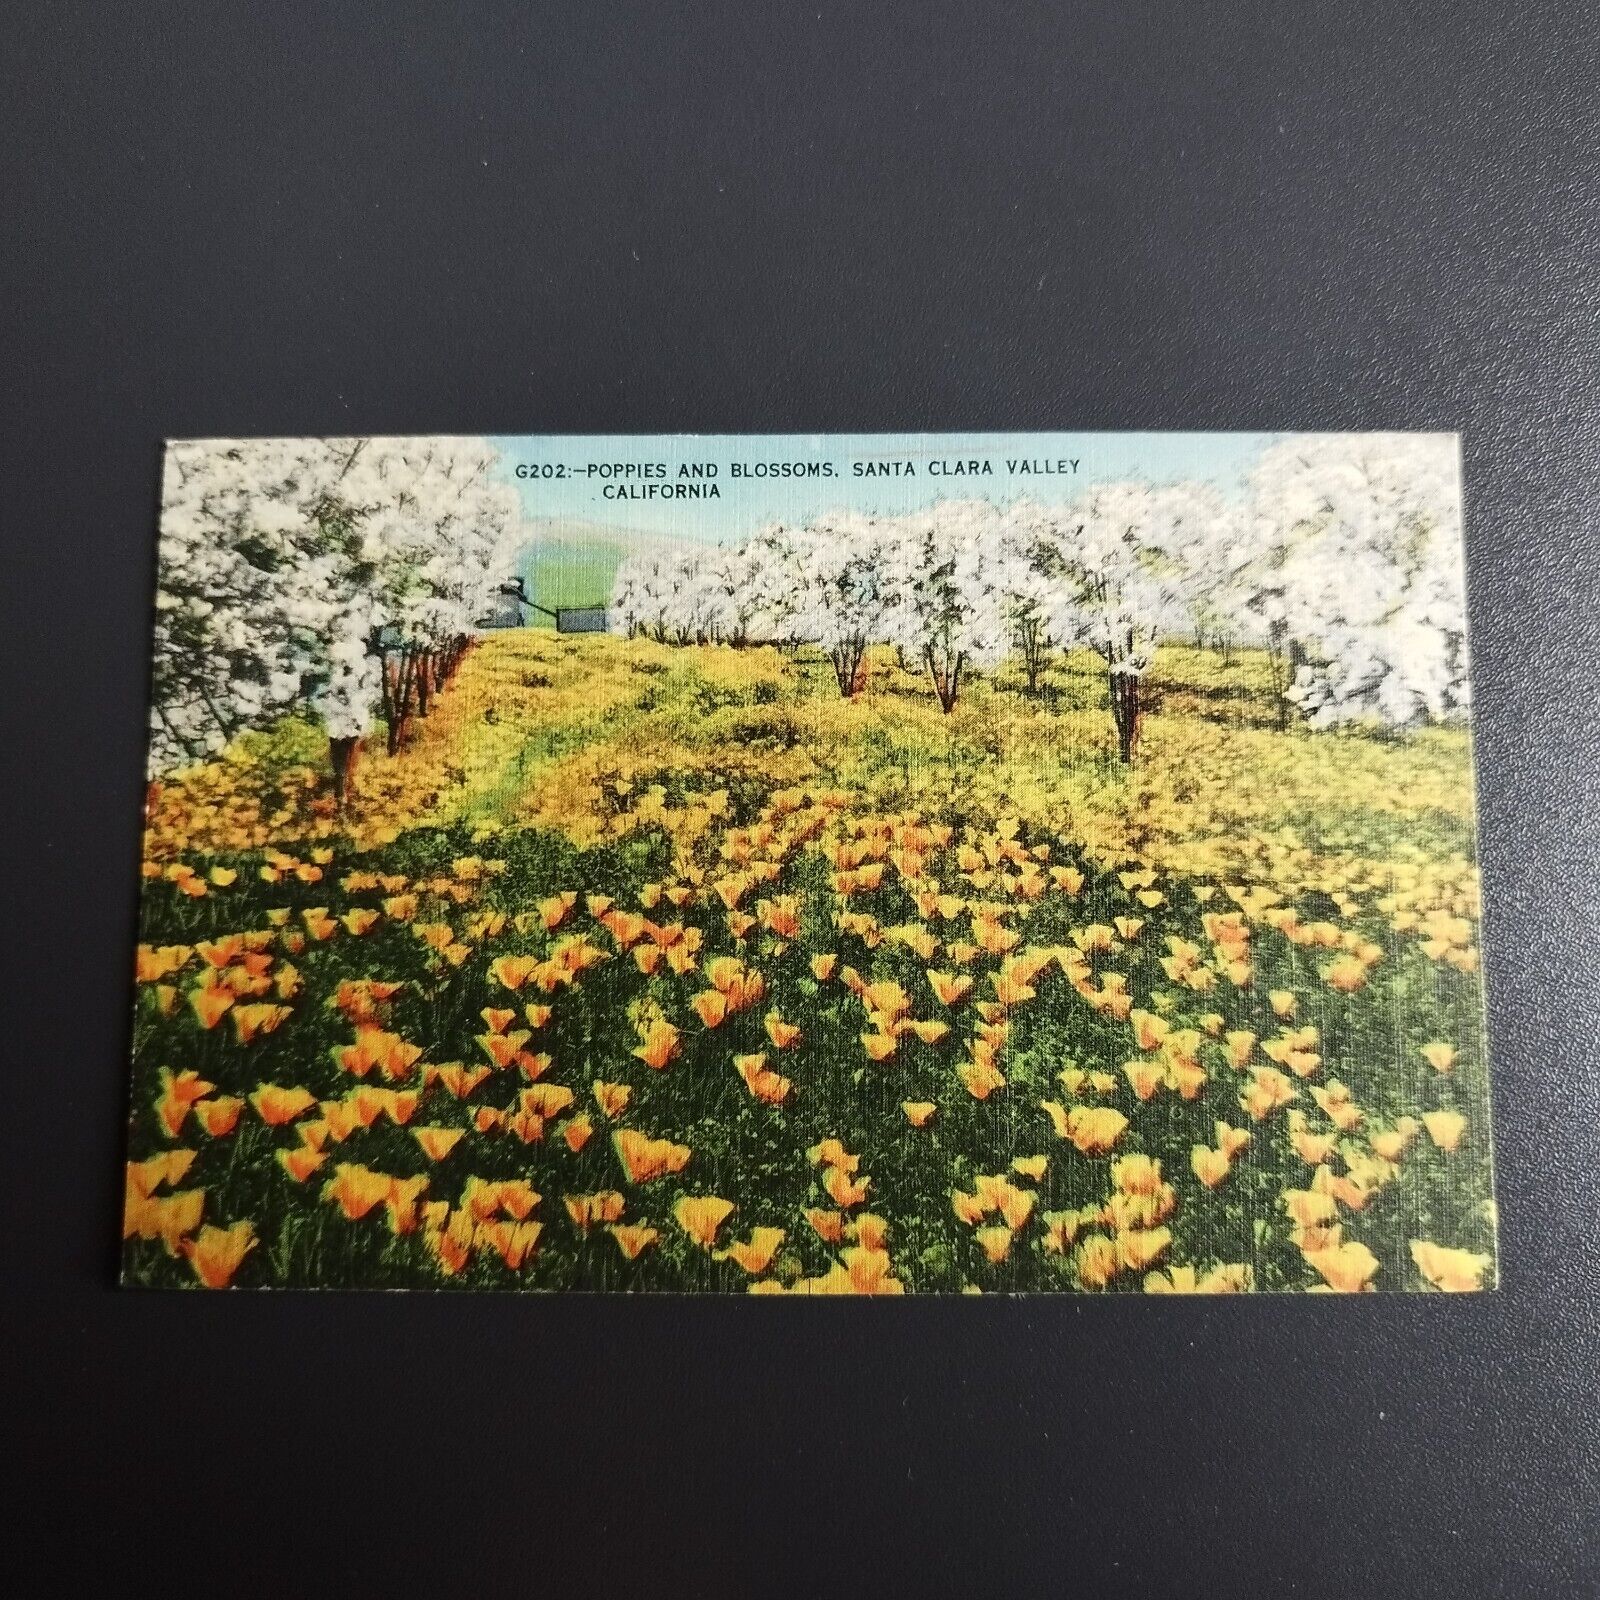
(639, 965)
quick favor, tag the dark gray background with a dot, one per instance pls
(297, 218)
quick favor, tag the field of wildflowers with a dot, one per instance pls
(647, 967)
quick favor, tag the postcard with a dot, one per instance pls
(868, 864)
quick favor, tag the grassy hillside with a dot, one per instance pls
(572, 563)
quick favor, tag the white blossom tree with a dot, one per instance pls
(845, 594)
(1356, 574)
(1343, 560)
(339, 576)
(641, 594)
(776, 583)
(1030, 568)
(947, 612)
(239, 600)
(1130, 551)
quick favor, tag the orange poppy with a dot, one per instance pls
(870, 1231)
(301, 1163)
(1440, 1056)
(612, 1098)
(1092, 1130)
(1444, 1128)
(1096, 1261)
(1346, 1267)
(1454, 1271)
(514, 1242)
(711, 1006)
(842, 1190)
(577, 1131)
(210, 1002)
(754, 1255)
(762, 1083)
(459, 1080)
(643, 1158)
(587, 1210)
(178, 1094)
(1144, 1077)
(1231, 1140)
(1149, 1030)
(633, 1238)
(831, 1153)
(950, 988)
(249, 1022)
(502, 1048)
(513, 971)
(437, 1143)
(1138, 1247)
(216, 1254)
(827, 1225)
(554, 908)
(660, 1044)
(356, 1190)
(700, 1216)
(219, 1117)
(784, 1035)
(145, 1177)
(545, 1099)
(995, 1242)
(879, 1046)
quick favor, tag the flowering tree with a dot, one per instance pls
(238, 609)
(1343, 560)
(947, 611)
(429, 536)
(338, 576)
(845, 595)
(1129, 550)
(1357, 576)
(1030, 567)
(776, 583)
(641, 596)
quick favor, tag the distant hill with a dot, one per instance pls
(573, 563)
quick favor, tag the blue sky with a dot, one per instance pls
(748, 502)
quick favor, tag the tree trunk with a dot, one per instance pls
(401, 700)
(1033, 654)
(342, 753)
(947, 683)
(425, 668)
(849, 659)
(1125, 708)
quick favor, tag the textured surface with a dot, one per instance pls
(491, 219)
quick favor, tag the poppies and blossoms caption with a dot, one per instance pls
(994, 864)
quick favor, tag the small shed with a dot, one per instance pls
(581, 619)
(505, 611)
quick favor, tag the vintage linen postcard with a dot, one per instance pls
(809, 865)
